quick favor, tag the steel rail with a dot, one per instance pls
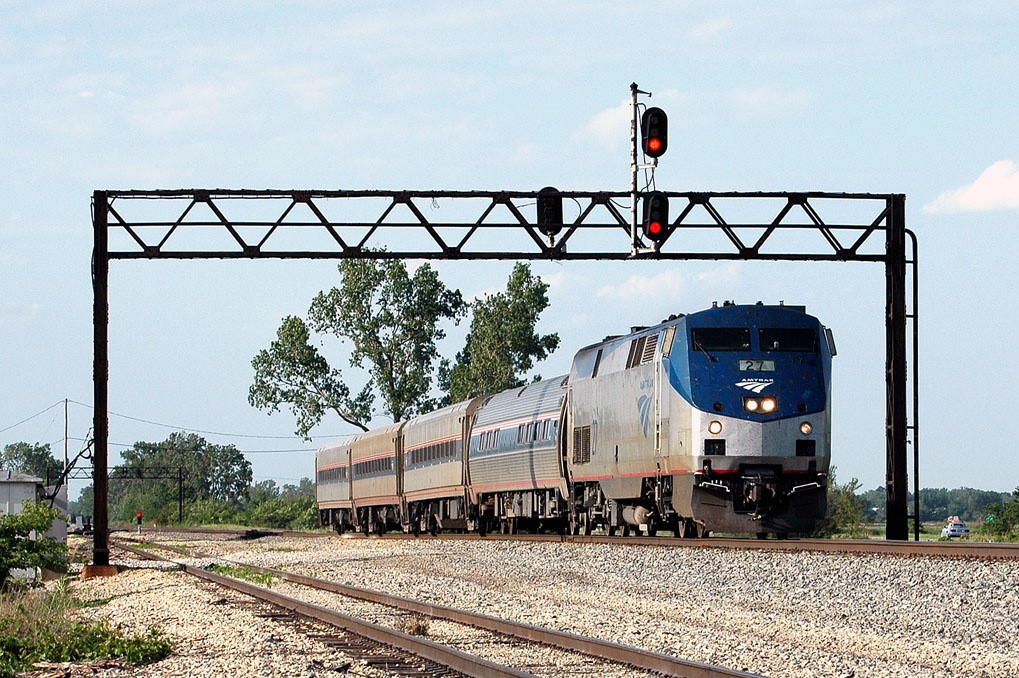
(930, 549)
(571, 642)
(446, 656)
(922, 549)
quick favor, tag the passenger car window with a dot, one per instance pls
(788, 339)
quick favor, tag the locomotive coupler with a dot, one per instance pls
(760, 494)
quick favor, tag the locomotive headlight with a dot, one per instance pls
(715, 427)
(762, 405)
(806, 428)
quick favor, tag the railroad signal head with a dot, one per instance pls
(656, 217)
(654, 132)
(550, 211)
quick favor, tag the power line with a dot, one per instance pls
(242, 451)
(38, 414)
(212, 433)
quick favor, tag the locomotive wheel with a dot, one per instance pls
(762, 535)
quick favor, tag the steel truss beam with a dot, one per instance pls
(491, 225)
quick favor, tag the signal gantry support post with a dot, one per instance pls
(100, 377)
(600, 231)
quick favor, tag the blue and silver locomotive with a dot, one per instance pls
(715, 421)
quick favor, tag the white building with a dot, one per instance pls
(16, 489)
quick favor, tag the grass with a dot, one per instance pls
(246, 573)
(37, 626)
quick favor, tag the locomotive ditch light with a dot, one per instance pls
(715, 427)
(806, 428)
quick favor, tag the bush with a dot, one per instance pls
(18, 550)
(846, 510)
(209, 512)
(35, 626)
(280, 513)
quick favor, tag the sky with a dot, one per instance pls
(917, 98)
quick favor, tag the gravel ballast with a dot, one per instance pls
(778, 614)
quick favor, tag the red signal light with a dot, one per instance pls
(654, 132)
(656, 216)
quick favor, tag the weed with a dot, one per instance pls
(36, 626)
(246, 573)
(414, 625)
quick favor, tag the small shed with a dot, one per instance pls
(15, 489)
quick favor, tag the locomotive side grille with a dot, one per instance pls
(581, 444)
(642, 351)
(650, 344)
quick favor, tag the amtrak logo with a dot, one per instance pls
(644, 410)
(755, 385)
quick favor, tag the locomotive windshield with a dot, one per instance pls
(721, 338)
(788, 339)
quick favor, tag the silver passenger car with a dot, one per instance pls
(332, 487)
(435, 469)
(515, 468)
(375, 462)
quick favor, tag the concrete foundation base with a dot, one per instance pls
(90, 571)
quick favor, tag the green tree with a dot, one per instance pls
(392, 321)
(217, 473)
(84, 504)
(306, 488)
(262, 492)
(19, 550)
(845, 514)
(1002, 518)
(502, 344)
(34, 460)
(292, 371)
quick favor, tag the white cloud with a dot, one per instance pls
(710, 29)
(609, 127)
(557, 281)
(644, 288)
(727, 275)
(997, 188)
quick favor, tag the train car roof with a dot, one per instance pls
(456, 409)
(523, 401)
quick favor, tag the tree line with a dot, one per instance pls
(217, 488)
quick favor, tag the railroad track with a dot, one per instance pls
(592, 651)
(939, 549)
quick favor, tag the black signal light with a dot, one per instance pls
(654, 132)
(550, 211)
(656, 216)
